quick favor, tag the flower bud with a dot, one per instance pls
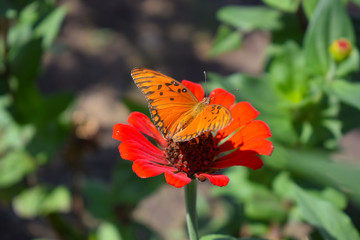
(340, 49)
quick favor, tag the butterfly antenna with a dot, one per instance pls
(206, 90)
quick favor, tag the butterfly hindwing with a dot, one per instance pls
(213, 118)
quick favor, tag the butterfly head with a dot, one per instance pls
(206, 100)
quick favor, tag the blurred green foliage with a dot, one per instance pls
(309, 101)
(32, 126)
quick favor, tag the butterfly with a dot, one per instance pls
(175, 110)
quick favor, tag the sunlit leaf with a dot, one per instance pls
(250, 18)
(28, 203)
(50, 25)
(335, 197)
(107, 231)
(59, 200)
(226, 40)
(14, 166)
(39, 201)
(285, 5)
(287, 72)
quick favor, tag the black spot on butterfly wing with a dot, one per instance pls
(149, 93)
(175, 83)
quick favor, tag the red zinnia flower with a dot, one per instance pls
(238, 144)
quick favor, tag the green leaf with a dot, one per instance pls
(26, 64)
(13, 136)
(108, 231)
(225, 237)
(250, 18)
(337, 198)
(347, 92)
(349, 65)
(330, 221)
(22, 32)
(285, 5)
(309, 7)
(357, 2)
(329, 22)
(14, 166)
(38, 200)
(288, 73)
(283, 186)
(28, 203)
(317, 165)
(59, 200)
(265, 208)
(259, 202)
(226, 40)
(334, 126)
(217, 237)
(49, 27)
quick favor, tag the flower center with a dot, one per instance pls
(194, 156)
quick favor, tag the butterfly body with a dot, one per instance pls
(175, 110)
(192, 114)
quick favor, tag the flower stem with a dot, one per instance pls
(191, 216)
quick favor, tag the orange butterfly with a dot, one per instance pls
(175, 110)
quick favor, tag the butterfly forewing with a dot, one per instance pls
(169, 100)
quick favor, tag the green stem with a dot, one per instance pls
(330, 75)
(191, 216)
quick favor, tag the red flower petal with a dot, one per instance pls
(123, 132)
(222, 97)
(255, 130)
(239, 158)
(142, 123)
(177, 179)
(195, 88)
(263, 147)
(145, 168)
(216, 179)
(133, 150)
(242, 114)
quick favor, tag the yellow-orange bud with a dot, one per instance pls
(340, 49)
